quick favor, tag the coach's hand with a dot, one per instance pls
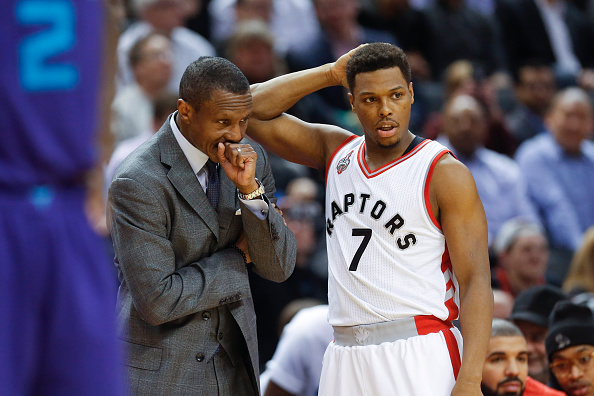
(239, 163)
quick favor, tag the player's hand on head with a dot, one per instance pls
(239, 163)
(338, 68)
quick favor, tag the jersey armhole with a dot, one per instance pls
(426, 198)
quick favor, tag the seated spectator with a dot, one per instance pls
(251, 48)
(462, 78)
(296, 366)
(292, 22)
(167, 17)
(570, 346)
(558, 168)
(340, 33)
(522, 253)
(152, 65)
(402, 21)
(498, 179)
(164, 105)
(505, 372)
(580, 278)
(531, 314)
(534, 87)
(454, 31)
(553, 32)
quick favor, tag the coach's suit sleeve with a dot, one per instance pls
(272, 245)
(140, 226)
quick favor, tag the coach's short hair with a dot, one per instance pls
(505, 328)
(208, 74)
(377, 56)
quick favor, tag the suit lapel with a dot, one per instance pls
(184, 180)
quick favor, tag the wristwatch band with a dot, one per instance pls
(254, 194)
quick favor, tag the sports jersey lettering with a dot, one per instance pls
(379, 207)
(383, 245)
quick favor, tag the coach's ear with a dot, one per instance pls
(352, 101)
(185, 111)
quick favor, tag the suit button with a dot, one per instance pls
(220, 336)
(206, 315)
(200, 357)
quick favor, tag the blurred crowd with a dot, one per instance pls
(507, 85)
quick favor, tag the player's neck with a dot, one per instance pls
(377, 156)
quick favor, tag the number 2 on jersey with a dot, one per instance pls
(366, 234)
(38, 69)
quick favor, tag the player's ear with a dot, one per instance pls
(412, 92)
(352, 101)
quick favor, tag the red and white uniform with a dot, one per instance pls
(388, 262)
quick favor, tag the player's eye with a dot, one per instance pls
(397, 95)
(369, 100)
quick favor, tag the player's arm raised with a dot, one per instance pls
(464, 225)
(287, 136)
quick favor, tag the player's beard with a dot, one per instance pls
(493, 392)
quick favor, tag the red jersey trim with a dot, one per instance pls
(426, 188)
(454, 351)
(446, 265)
(369, 174)
(427, 324)
(346, 141)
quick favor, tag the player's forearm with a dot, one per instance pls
(476, 314)
(276, 96)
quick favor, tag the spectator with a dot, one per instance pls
(498, 179)
(462, 78)
(454, 31)
(168, 17)
(554, 32)
(505, 372)
(296, 366)
(534, 90)
(340, 33)
(570, 346)
(531, 314)
(151, 62)
(293, 22)
(522, 253)
(251, 48)
(402, 21)
(580, 278)
(558, 167)
(164, 105)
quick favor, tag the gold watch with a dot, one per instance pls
(254, 194)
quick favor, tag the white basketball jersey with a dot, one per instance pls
(387, 257)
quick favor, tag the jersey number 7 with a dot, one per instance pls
(366, 234)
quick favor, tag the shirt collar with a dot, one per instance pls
(195, 157)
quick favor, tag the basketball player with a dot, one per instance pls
(57, 285)
(406, 233)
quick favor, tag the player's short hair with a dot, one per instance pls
(207, 74)
(377, 56)
(505, 328)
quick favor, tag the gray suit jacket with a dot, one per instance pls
(177, 270)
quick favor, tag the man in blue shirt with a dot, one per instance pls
(559, 169)
(498, 179)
